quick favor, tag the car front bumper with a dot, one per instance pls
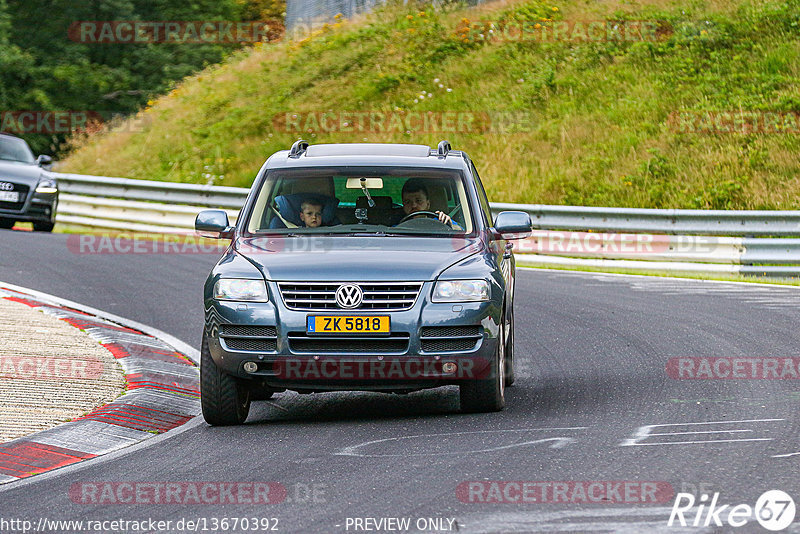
(37, 207)
(464, 336)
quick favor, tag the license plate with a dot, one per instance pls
(348, 324)
(9, 196)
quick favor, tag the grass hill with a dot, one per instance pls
(576, 120)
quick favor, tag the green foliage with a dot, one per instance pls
(46, 68)
(594, 116)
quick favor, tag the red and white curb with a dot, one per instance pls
(162, 393)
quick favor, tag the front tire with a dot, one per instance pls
(47, 226)
(224, 398)
(488, 395)
(43, 226)
(7, 224)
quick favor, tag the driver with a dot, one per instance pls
(415, 198)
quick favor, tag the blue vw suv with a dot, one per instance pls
(366, 267)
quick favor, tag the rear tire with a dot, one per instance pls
(259, 393)
(482, 396)
(43, 226)
(224, 398)
(510, 376)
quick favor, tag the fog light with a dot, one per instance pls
(251, 367)
(449, 367)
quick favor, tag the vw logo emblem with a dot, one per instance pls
(349, 296)
(5, 186)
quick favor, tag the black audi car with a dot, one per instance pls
(368, 267)
(28, 191)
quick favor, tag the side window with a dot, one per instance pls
(482, 196)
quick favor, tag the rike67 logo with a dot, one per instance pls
(774, 510)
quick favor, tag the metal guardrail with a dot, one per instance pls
(171, 192)
(661, 221)
(701, 241)
(140, 205)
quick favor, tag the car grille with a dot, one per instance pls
(249, 337)
(256, 345)
(377, 295)
(450, 338)
(23, 195)
(303, 343)
(233, 330)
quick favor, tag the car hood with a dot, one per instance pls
(332, 258)
(20, 173)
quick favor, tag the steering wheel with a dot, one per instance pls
(428, 214)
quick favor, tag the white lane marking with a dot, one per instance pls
(558, 442)
(629, 278)
(644, 432)
(787, 455)
(697, 442)
(720, 422)
(700, 432)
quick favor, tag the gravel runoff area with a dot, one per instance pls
(50, 371)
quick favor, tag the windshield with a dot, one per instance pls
(358, 200)
(14, 149)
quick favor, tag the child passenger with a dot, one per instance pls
(311, 213)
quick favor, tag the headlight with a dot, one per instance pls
(47, 185)
(461, 291)
(236, 289)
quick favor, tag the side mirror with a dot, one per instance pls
(44, 161)
(213, 224)
(512, 225)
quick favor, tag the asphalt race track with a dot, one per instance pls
(591, 352)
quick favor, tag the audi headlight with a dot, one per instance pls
(47, 185)
(461, 291)
(237, 289)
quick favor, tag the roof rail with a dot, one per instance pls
(443, 149)
(298, 148)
